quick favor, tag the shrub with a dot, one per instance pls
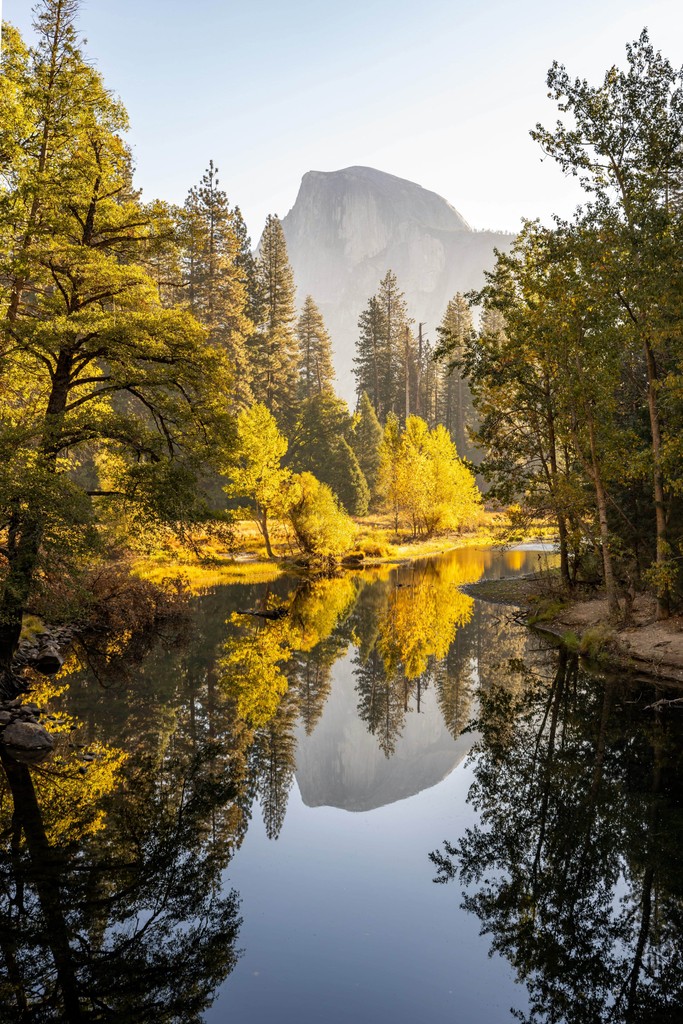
(320, 525)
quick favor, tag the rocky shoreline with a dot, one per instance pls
(22, 734)
(643, 647)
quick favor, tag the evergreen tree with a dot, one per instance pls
(454, 407)
(315, 351)
(273, 761)
(319, 446)
(385, 354)
(274, 345)
(213, 278)
(367, 362)
(366, 438)
(348, 481)
(246, 261)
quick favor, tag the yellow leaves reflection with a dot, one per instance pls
(71, 785)
(263, 641)
(426, 608)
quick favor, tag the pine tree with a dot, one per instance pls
(315, 351)
(367, 363)
(398, 349)
(347, 479)
(385, 352)
(366, 439)
(454, 409)
(246, 261)
(213, 278)
(274, 345)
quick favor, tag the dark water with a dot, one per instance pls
(238, 823)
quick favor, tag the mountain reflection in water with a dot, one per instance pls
(117, 855)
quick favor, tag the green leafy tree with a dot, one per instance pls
(91, 360)
(256, 473)
(622, 139)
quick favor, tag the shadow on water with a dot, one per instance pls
(109, 866)
(575, 867)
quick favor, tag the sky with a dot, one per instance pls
(442, 92)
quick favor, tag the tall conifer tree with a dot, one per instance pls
(213, 278)
(315, 351)
(274, 345)
(385, 350)
(454, 409)
(366, 439)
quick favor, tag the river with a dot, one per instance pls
(248, 818)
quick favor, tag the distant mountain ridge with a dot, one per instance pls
(348, 227)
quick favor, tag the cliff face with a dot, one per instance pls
(340, 764)
(348, 227)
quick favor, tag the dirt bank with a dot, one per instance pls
(643, 647)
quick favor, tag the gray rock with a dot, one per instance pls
(27, 741)
(348, 227)
(49, 660)
(5, 717)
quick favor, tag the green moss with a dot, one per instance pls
(570, 640)
(547, 609)
(596, 641)
(31, 625)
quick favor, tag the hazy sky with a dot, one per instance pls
(442, 92)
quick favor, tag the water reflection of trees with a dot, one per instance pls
(276, 669)
(110, 902)
(406, 630)
(409, 631)
(575, 866)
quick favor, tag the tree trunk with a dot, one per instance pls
(601, 500)
(26, 530)
(44, 875)
(15, 593)
(663, 609)
(266, 535)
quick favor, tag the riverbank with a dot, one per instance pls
(376, 544)
(645, 646)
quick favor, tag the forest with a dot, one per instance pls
(157, 377)
(159, 380)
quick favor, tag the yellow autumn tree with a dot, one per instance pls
(260, 644)
(424, 482)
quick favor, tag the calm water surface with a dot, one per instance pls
(239, 820)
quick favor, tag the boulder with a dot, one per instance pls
(28, 742)
(49, 660)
